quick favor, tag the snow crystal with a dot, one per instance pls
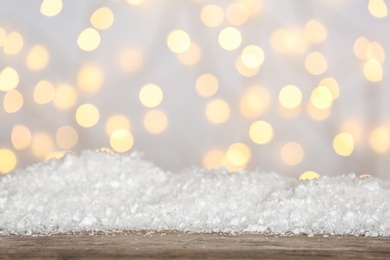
(97, 191)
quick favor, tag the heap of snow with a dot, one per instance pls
(103, 192)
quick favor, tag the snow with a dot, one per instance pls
(97, 191)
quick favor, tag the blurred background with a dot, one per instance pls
(288, 86)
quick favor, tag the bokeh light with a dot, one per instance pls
(44, 92)
(192, 56)
(13, 43)
(51, 7)
(89, 39)
(87, 115)
(289, 41)
(377, 8)
(121, 140)
(238, 154)
(66, 137)
(37, 58)
(212, 15)
(343, 144)
(90, 78)
(102, 18)
(213, 159)
(217, 111)
(20, 137)
(150, 95)
(255, 100)
(321, 97)
(155, 121)
(207, 85)
(9, 79)
(261, 132)
(373, 70)
(41, 144)
(379, 139)
(290, 96)
(309, 175)
(116, 122)
(315, 63)
(7, 160)
(65, 96)
(252, 56)
(292, 153)
(178, 41)
(315, 31)
(13, 101)
(237, 14)
(230, 38)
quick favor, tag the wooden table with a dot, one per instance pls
(132, 245)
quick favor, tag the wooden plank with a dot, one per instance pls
(135, 245)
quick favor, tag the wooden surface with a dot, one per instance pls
(133, 245)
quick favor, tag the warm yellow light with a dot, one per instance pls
(212, 15)
(87, 115)
(292, 153)
(65, 97)
(155, 121)
(229, 38)
(13, 101)
(37, 58)
(364, 175)
(332, 85)
(66, 137)
(105, 150)
(13, 44)
(102, 18)
(373, 70)
(7, 161)
(375, 50)
(217, 111)
(289, 41)
(238, 154)
(360, 47)
(20, 137)
(150, 95)
(309, 175)
(121, 140)
(41, 144)
(261, 132)
(253, 6)
(290, 96)
(90, 78)
(343, 144)
(244, 70)
(315, 63)
(3, 36)
(9, 79)
(237, 14)
(192, 56)
(178, 41)
(321, 97)
(252, 56)
(315, 31)
(116, 122)
(254, 101)
(131, 60)
(206, 85)
(377, 8)
(380, 139)
(316, 113)
(213, 159)
(55, 155)
(135, 2)
(44, 92)
(51, 7)
(89, 39)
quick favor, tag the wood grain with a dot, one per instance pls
(133, 245)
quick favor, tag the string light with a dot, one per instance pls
(217, 111)
(212, 15)
(20, 137)
(87, 115)
(155, 121)
(343, 144)
(9, 79)
(13, 43)
(102, 18)
(121, 140)
(13, 101)
(230, 38)
(151, 95)
(292, 153)
(37, 58)
(207, 84)
(213, 159)
(7, 161)
(44, 92)
(90, 78)
(89, 39)
(261, 132)
(178, 41)
(309, 175)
